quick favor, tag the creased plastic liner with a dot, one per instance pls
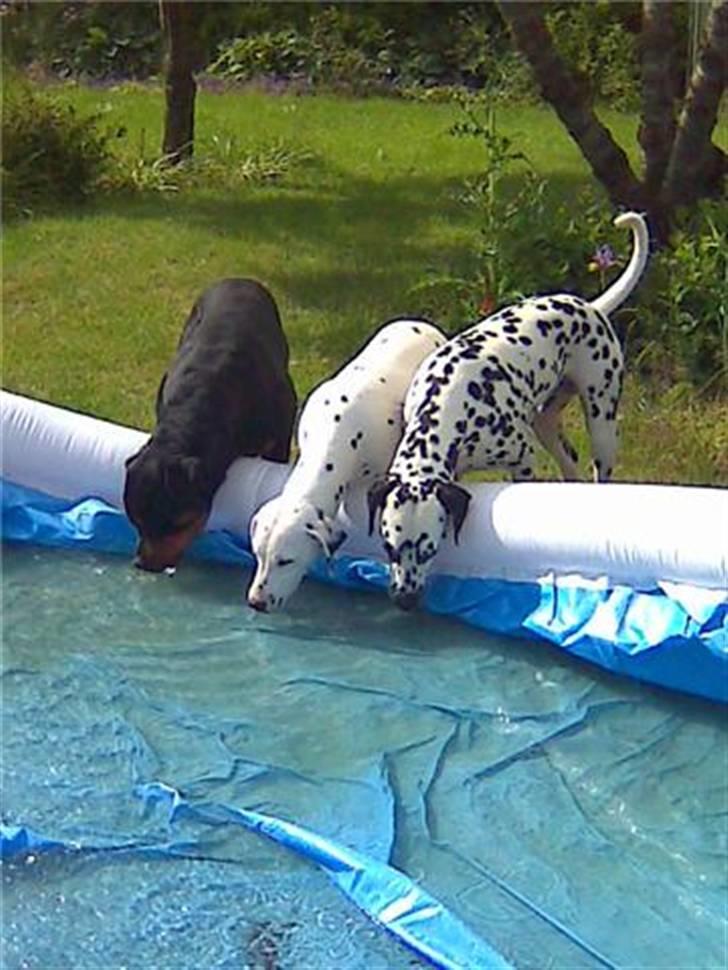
(674, 635)
(386, 895)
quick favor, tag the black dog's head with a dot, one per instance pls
(167, 498)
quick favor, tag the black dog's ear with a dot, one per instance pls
(138, 454)
(181, 474)
(455, 501)
(376, 496)
(192, 469)
(132, 458)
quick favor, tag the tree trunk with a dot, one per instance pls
(697, 167)
(568, 98)
(179, 28)
(657, 128)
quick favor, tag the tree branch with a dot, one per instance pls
(568, 98)
(697, 167)
(658, 124)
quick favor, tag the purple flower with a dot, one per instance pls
(602, 259)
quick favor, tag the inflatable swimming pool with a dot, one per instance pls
(630, 577)
(469, 759)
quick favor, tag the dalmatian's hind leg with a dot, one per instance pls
(547, 425)
(600, 411)
(522, 468)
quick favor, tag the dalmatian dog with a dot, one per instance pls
(348, 431)
(484, 398)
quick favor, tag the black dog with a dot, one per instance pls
(226, 394)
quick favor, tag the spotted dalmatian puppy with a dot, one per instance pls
(484, 398)
(348, 431)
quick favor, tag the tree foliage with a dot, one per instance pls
(681, 164)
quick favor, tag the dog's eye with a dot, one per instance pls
(284, 562)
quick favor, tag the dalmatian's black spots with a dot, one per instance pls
(478, 397)
(390, 421)
(344, 399)
(337, 418)
(329, 466)
(563, 307)
(416, 329)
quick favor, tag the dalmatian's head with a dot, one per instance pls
(286, 541)
(413, 521)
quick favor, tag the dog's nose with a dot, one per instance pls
(406, 600)
(260, 605)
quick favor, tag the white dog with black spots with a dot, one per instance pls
(483, 399)
(347, 433)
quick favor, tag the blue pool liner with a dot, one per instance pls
(383, 893)
(673, 635)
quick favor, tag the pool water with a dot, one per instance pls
(569, 817)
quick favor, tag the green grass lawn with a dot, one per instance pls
(95, 296)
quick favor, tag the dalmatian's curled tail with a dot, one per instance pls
(620, 289)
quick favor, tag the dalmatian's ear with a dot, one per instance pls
(455, 501)
(327, 535)
(376, 496)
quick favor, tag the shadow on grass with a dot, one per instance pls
(347, 246)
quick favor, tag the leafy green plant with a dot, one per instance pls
(219, 160)
(526, 242)
(50, 151)
(594, 42)
(683, 330)
(284, 53)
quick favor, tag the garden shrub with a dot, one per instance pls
(682, 328)
(674, 326)
(82, 39)
(50, 151)
(358, 47)
(282, 54)
(595, 43)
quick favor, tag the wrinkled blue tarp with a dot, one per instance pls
(565, 817)
(675, 636)
(388, 897)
